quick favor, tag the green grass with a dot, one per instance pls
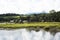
(34, 24)
(48, 26)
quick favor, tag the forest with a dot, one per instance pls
(52, 16)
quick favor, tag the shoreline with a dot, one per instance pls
(36, 26)
(50, 28)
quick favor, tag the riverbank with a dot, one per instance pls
(45, 24)
(48, 26)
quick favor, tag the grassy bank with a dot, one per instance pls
(51, 26)
(37, 24)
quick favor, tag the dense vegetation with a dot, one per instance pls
(52, 16)
(34, 21)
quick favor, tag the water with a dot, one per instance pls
(23, 34)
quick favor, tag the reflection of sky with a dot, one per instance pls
(23, 34)
(28, 6)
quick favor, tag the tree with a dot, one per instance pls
(52, 11)
(28, 18)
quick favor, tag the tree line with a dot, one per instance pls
(52, 16)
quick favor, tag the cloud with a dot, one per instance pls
(28, 6)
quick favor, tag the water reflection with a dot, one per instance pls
(23, 34)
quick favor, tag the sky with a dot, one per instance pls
(28, 6)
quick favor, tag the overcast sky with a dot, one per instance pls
(28, 6)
